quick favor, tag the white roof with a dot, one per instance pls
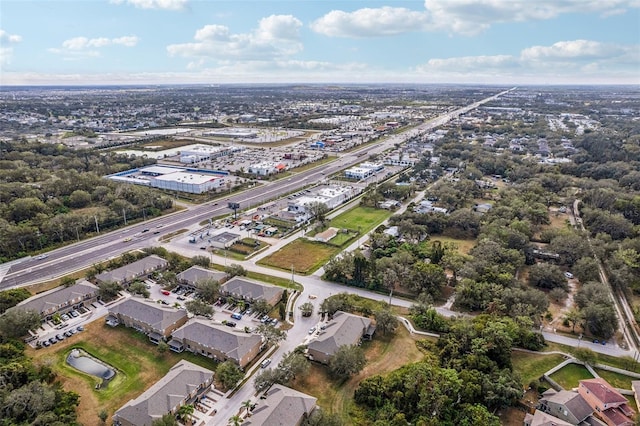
(161, 170)
(185, 177)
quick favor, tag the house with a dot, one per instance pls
(282, 406)
(156, 321)
(565, 405)
(216, 341)
(635, 387)
(607, 403)
(326, 236)
(249, 290)
(138, 269)
(61, 299)
(343, 329)
(190, 277)
(538, 418)
(182, 385)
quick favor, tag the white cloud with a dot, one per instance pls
(83, 46)
(368, 22)
(474, 16)
(154, 4)
(564, 61)
(276, 36)
(6, 51)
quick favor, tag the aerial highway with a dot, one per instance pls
(85, 253)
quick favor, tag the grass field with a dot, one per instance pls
(569, 376)
(363, 218)
(303, 255)
(384, 354)
(616, 380)
(464, 246)
(532, 366)
(136, 360)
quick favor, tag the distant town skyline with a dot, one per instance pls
(93, 42)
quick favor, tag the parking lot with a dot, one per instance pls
(71, 323)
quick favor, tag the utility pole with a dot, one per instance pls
(97, 229)
(124, 214)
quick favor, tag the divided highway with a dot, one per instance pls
(83, 254)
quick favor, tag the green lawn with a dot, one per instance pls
(532, 366)
(363, 218)
(569, 376)
(464, 246)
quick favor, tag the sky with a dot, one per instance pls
(96, 42)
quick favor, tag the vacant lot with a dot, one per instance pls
(464, 246)
(362, 218)
(303, 255)
(384, 354)
(137, 361)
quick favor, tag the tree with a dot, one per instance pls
(347, 361)
(79, 199)
(574, 316)
(185, 412)
(261, 306)
(235, 420)
(17, 322)
(271, 333)
(319, 211)
(208, 289)
(166, 420)
(600, 320)
(267, 378)
(203, 261)
(198, 307)
(107, 291)
(321, 418)
(307, 309)
(247, 405)
(228, 374)
(386, 321)
(292, 365)
(545, 275)
(558, 294)
(139, 288)
(103, 415)
(163, 347)
(10, 298)
(235, 270)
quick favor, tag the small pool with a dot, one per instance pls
(82, 361)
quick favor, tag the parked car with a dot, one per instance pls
(46, 343)
(312, 330)
(568, 275)
(53, 340)
(166, 293)
(74, 314)
(182, 298)
(60, 337)
(80, 328)
(65, 317)
(236, 316)
(274, 322)
(230, 324)
(265, 363)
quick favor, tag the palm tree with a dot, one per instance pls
(235, 420)
(186, 411)
(247, 404)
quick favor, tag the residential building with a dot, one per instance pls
(156, 321)
(343, 329)
(249, 290)
(326, 236)
(565, 405)
(182, 385)
(61, 299)
(607, 403)
(190, 277)
(539, 418)
(282, 406)
(216, 341)
(138, 269)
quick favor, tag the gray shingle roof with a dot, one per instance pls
(165, 394)
(132, 270)
(283, 407)
(250, 289)
(234, 344)
(198, 273)
(58, 296)
(574, 402)
(343, 329)
(159, 317)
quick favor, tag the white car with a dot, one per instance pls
(41, 256)
(569, 275)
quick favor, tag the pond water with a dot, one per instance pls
(86, 363)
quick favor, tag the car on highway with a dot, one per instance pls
(145, 230)
(41, 256)
(126, 240)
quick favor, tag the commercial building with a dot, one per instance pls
(266, 168)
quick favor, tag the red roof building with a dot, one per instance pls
(607, 403)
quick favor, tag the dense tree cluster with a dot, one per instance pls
(51, 194)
